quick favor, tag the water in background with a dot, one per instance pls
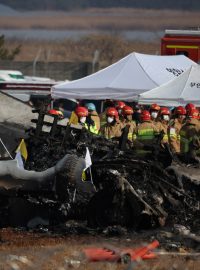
(45, 34)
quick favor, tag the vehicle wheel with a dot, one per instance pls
(72, 177)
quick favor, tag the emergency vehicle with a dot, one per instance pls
(185, 42)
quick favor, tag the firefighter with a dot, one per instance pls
(93, 115)
(127, 113)
(119, 105)
(82, 114)
(175, 126)
(163, 124)
(107, 104)
(154, 111)
(146, 131)
(189, 107)
(190, 136)
(112, 128)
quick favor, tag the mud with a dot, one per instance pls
(33, 250)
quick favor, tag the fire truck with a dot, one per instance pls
(185, 42)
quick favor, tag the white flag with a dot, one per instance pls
(20, 163)
(88, 161)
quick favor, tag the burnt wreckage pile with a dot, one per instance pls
(125, 189)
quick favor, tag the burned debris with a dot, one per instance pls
(122, 188)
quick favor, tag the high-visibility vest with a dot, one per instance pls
(145, 134)
(91, 128)
(132, 136)
(173, 134)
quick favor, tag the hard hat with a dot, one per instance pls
(180, 110)
(145, 116)
(90, 106)
(164, 111)
(155, 107)
(112, 112)
(189, 106)
(81, 111)
(193, 113)
(127, 110)
(56, 112)
(119, 105)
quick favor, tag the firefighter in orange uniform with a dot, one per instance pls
(127, 113)
(175, 126)
(190, 136)
(154, 111)
(119, 105)
(163, 124)
(82, 114)
(112, 128)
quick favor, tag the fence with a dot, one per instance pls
(54, 70)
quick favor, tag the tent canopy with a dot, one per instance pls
(180, 91)
(124, 80)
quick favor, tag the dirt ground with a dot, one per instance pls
(28, 250)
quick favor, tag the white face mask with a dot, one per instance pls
(83, 119)
(166, 117)
(110, 119)
(154, 115)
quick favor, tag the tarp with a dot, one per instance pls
(179, 91)
(124, 80)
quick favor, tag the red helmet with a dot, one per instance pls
(189, 107)
(127, 110)
(145, 116)
(119, 105)
(180, 110)
(164, 111)
(193, 113)
(81, 111)
(112, 112)
(56, 112)
(155, 107)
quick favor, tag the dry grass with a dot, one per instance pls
(111, 47)
(82, 50)
(106, 19)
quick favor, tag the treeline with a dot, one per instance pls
(79, 4)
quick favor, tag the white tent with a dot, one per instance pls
(179, 91)
(124, 80)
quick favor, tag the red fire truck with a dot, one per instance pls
(186, 42)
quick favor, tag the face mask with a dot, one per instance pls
(110, 119)
(166, 117)
(83, 119)
(154, 115)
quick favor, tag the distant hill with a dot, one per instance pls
(79, 4)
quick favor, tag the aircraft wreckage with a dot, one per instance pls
(121, 188)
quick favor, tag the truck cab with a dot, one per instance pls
(185, 42)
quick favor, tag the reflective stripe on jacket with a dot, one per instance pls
(91, 128)
(145, 134)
